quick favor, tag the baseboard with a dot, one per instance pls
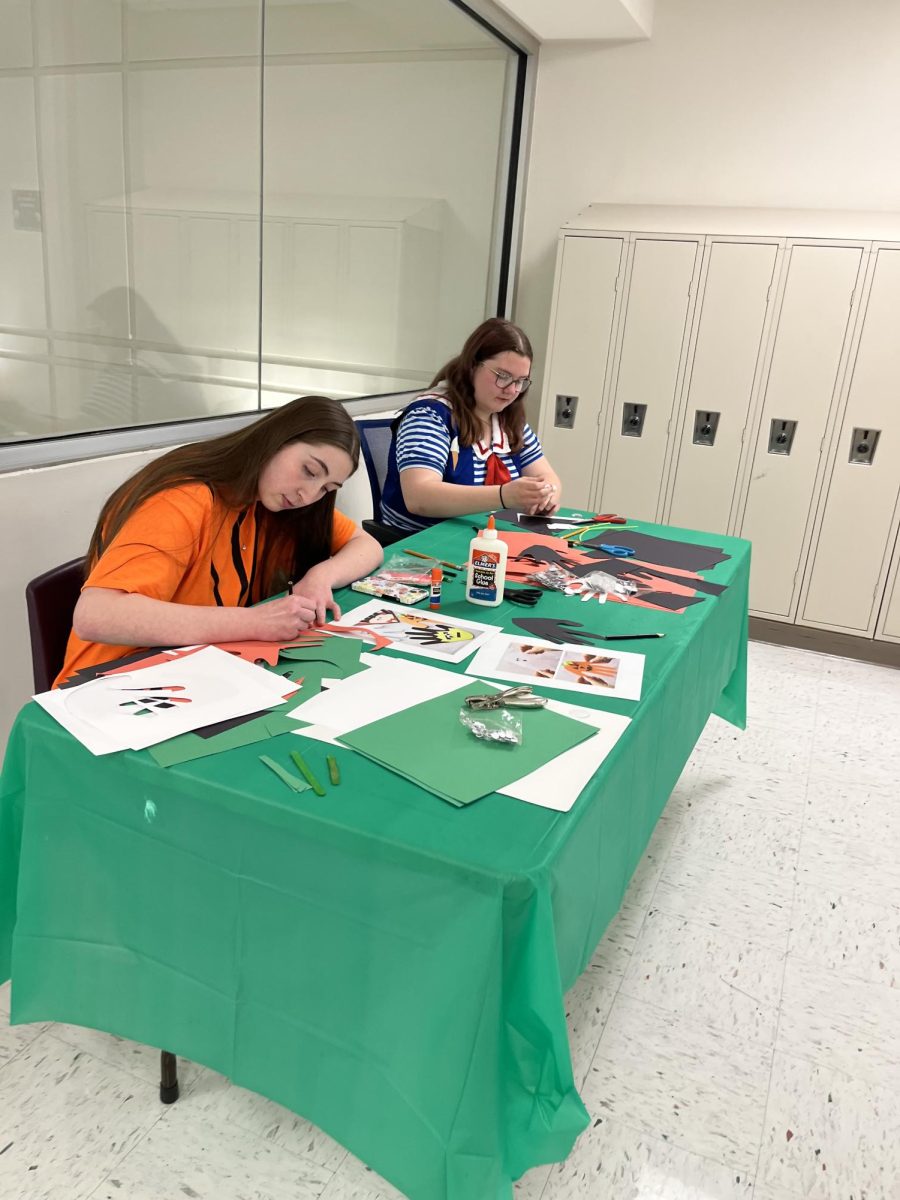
(844, 645)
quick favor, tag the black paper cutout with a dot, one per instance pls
(552, 629)
(667, 552)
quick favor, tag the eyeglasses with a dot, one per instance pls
(505, 380)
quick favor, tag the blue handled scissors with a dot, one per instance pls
(617, 551)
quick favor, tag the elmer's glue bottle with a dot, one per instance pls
(487, 567)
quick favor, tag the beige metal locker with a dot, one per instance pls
(857, 524)
(730, 324)
(889, 622)
(649, 362)
(581, 331)
(781, 366)
(810, 344)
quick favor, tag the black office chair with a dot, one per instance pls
(375, 442)
(50, 600)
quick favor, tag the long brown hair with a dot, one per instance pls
(291, 541)
(492, 337)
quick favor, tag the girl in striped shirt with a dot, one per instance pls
(464, 446)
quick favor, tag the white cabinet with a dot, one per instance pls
(731, 370)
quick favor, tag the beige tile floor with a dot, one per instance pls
(736, 1036)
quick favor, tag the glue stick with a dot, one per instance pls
(437, 575)
(487, 568)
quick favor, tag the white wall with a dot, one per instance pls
(767, 103)
(55, 510)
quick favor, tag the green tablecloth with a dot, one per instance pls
(388, 966)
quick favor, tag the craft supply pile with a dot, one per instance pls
(443, 724)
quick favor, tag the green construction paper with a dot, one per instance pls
(342, 652)
(337, 659)
(189, 746)
(428, 745)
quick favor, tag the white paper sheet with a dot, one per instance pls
(589, 670)
(428, 634)
(388, 686)
(559, 783)
(140, 708)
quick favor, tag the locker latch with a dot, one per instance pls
(862, 446)
(781, 436)
(705, 426)
(633, 417)
(565, 411)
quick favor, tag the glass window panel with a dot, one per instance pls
(367, 26)
(25, 389)
(377, 247)
(75, 32)
(192, 29)
(15, 42)
(132, 145)
(22, 302)
(82, 157)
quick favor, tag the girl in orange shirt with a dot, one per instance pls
(185, 547)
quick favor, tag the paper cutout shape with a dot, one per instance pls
(552, 629)
(543, 524)
(130, 662)
(665, 552)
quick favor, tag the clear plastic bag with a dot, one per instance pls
(493, 725)
(598, 585)
(400, 577)
(554, 576)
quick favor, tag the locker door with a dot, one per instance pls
(646, 387)
(856, 525)
(580, 342)
(801, 387)
(729, 340)
(889, 625)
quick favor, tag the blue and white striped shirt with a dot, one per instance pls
(428, 437)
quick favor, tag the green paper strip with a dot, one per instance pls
(295, 784)
(307, 773)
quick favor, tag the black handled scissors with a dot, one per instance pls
(525, 596)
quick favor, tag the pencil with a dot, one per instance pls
(442, 561)
(290, 587)
(307, 773)
(627, 637)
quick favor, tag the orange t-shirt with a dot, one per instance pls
(182, 545)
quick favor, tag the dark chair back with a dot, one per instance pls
(375, 442)
(51, 600)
